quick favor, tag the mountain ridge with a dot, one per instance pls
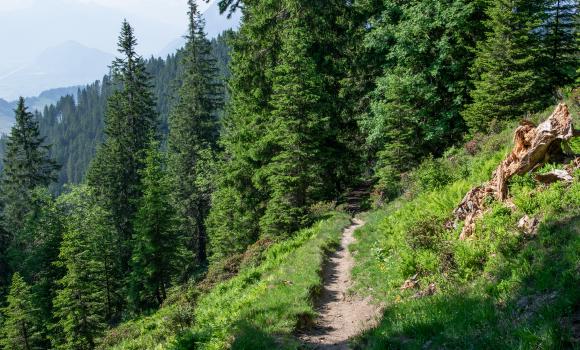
(45, 98)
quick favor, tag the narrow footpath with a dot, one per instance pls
(341, 315)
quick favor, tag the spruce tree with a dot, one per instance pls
(20, 325)
(277, 154)
(130, 121)
(90, 289)
(27, 164)
(560, 28)
(158, 252)
(426, 47)
(33, 252)
(509, 81)
(193, 133)
(237, 203)
(295, 135)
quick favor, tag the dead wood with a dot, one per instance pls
(533, 147)
(554, 176)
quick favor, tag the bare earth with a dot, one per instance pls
(341, 315)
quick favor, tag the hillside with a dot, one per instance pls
(509, 286)
(502, 288)
(331, 175)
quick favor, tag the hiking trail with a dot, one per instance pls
(341, 315)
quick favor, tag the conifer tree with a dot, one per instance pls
(33, 252)
(279, 154)
(193, 132)
(90, 287)
(295, 134)
(158, 252)
(560, 28)
(130, 121)
(509, 81)
(237, 203)
(426, 47)
(26, 165)
(19, 328)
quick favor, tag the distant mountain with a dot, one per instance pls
(68, 64)
(215, 24)
(5, 118)
(46, 98)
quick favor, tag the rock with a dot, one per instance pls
(529, 225)
(412, 282)
(431, 289)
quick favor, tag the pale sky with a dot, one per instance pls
(162, 10)
(28, 27)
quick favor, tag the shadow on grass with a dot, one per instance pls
(541, 312)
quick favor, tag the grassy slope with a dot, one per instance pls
(257, 309)
(501, 289)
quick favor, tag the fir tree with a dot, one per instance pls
(19, 329)
(415, 107)
(560, 28)
(90, 286)
(295, 133)
(33, 252)
(26, 165)
(193, 133)
(237, 203)
(130, 121)
(280, 157)
(158, 252)
(510, 82)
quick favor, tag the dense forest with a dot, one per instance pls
(225, 161)
(74, 127)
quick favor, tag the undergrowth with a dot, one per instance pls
(259, 308)
(500, 289)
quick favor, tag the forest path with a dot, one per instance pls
(341, 315)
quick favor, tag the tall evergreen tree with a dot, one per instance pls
(279, 154)
(20, 326)
(158, 251)
(193, 133)
(510, 81)
(560, 28)
(90, 289)
(237, 204)
(296, 131)
(427, 45)
(32, 253)
(131, 120)
(26, 165)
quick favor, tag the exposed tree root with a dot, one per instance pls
(533, 147)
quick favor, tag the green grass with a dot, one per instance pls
(501, 289)
(262, 306)
(259, 308)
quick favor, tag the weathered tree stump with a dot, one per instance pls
(533, 147)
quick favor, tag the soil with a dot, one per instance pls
(342, 315)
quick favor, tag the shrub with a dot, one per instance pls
(425, 234)
(432, 174)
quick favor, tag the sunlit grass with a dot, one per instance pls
(501, 289)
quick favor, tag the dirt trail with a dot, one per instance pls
(341, 316)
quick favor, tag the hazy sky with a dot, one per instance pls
(28, 27)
